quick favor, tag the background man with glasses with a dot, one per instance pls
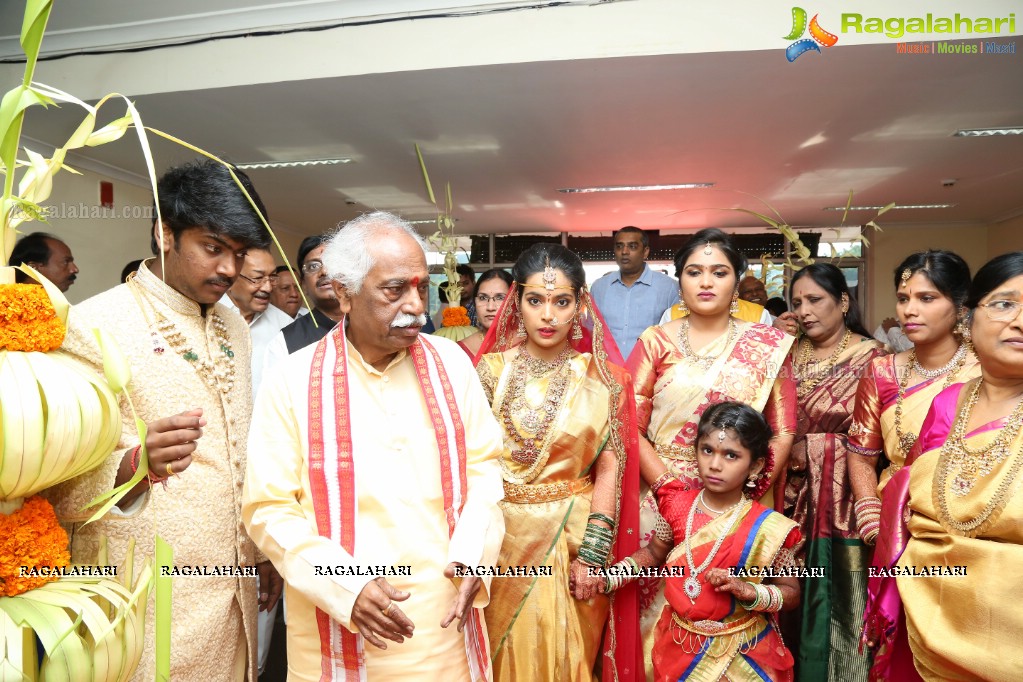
(318, 290)
(249, 296)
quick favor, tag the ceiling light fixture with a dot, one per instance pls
(291, 164)
(635, 188)
(425, 221)
(988, 132)
(894, 208)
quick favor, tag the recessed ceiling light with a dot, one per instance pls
(291, 164)
(425, 221)
(635, 188)
(988, 132)
(893, 208)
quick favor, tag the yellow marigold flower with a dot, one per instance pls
(456, 317)
(28, 321)
(30, 537)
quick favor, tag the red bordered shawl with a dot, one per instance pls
(332, 481)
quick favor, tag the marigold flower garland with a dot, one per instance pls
(28, 321)
(30, 538)
(456, 317)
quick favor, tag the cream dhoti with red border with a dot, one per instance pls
(355, 470)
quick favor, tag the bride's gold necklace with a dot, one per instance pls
(968, 465)
(535, 420)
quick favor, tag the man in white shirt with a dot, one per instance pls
(250, 297)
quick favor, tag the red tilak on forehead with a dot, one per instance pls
(415, 282)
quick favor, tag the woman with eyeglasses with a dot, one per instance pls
(491, 290)
(965, 506)
(891, 403)
(829, 360)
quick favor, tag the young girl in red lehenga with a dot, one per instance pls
(720, 618)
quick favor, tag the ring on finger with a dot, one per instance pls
(170, 469)
(387, 609)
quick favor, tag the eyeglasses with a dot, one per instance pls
(483, 299)
(260, 281)
(311, 267)
(1002, 310)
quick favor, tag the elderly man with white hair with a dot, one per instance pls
(373, 478)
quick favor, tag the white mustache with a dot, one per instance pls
(408, 320)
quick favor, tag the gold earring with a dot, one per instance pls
(733, 309)
(751, 482)
(521, 330)
(577, 330)
(682, 304)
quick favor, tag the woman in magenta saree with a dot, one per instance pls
(962, 512)
(894, 397)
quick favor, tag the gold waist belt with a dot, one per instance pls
(714, 638)
(714, 628)
(675, 451)
(543, 492)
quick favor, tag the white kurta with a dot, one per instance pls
(400, 502)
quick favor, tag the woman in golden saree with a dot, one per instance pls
(681, 367)
(570, 485)
(891, 403)
(833, 354)
(965, 508)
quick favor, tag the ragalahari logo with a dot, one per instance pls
(818, 36)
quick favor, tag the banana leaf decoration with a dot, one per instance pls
(91, 628)
(60, 419)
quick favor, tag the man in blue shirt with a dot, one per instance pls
(633, 298)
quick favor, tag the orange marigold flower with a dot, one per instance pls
(456, 317)
(30, 538)
(28, 321)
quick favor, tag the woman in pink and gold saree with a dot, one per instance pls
(891, 403)
(571, 484)
(954, 561)
(830, 359)
(681, 367)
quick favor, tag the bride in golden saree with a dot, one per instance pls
(571, 485)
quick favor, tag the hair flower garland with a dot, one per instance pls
(30, 538)
(28, 320)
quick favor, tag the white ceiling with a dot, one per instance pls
(507, 136)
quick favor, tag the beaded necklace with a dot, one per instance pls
(907, 440)
(970, 464)
(692, 585)
(217, 375)
(808, 379)
(704, 361)
(534, 419)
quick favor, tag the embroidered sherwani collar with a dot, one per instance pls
(170, 297)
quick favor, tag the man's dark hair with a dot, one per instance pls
(307, 245)
(130, 267)
(632, 228)
(280, 268)
(32, 248)
(464, 269)
(202, 193)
